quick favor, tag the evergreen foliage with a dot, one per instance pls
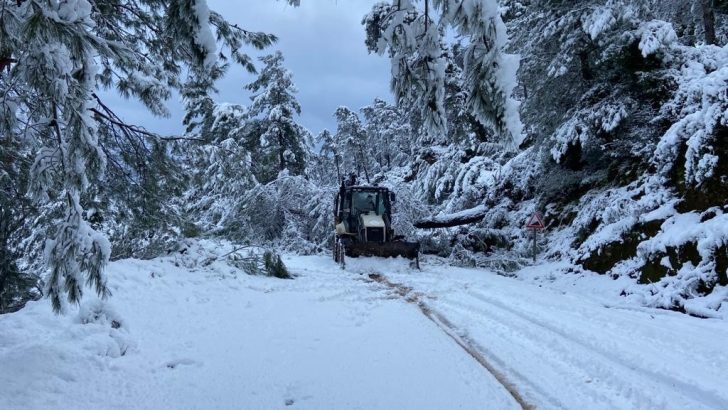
(268, 263)
(282, 141)
(351, 139)
(413, 36)
(247, 170)
(17, 285)
(613, 125)
(56, 56)
(388, 134)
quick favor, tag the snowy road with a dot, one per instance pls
(562, 349)
(215, 339)
(212, 338)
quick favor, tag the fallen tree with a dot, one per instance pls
(464, 217)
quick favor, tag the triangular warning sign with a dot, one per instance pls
(535, 222)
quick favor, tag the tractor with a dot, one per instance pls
(363, 224)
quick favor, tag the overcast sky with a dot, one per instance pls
(323, 44)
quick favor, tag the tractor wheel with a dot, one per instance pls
(339, 252)
(336, 250)
(342, 253)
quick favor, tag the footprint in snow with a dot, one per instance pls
(173, 364)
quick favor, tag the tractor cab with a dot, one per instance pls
(364, 212)
(363, 224)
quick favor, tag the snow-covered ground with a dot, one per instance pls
(214, 338)
(567, 345)
(181, 333)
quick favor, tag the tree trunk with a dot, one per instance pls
(709, 21)
(338, 171)
(586, 71)
(427, 13)
(281, 150)
(363, 163)
(465, 217)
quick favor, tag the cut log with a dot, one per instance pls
(465, 217)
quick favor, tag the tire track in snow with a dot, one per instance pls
(594, 361)
(449, 329)
(526, 345)
(695, 393)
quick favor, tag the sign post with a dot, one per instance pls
(535, 224)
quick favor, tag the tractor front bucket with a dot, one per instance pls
(409, 250)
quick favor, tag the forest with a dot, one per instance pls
(609, 117)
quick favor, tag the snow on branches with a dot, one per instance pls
(700, 108)
(414, 38)
(275, 106)
(57, 56)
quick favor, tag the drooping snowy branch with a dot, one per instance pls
(413, 38)
(55, 56)
(700, 106)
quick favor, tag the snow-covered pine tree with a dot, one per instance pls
(283, 142)
(329, 168)
(292, 211)
(351, 139)
(135, 204)
(412, 33)
(247, 181)
(443, 169)
(388, 135)
(17, 285)
(56, 56)
(221, 169)
(633, 129)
